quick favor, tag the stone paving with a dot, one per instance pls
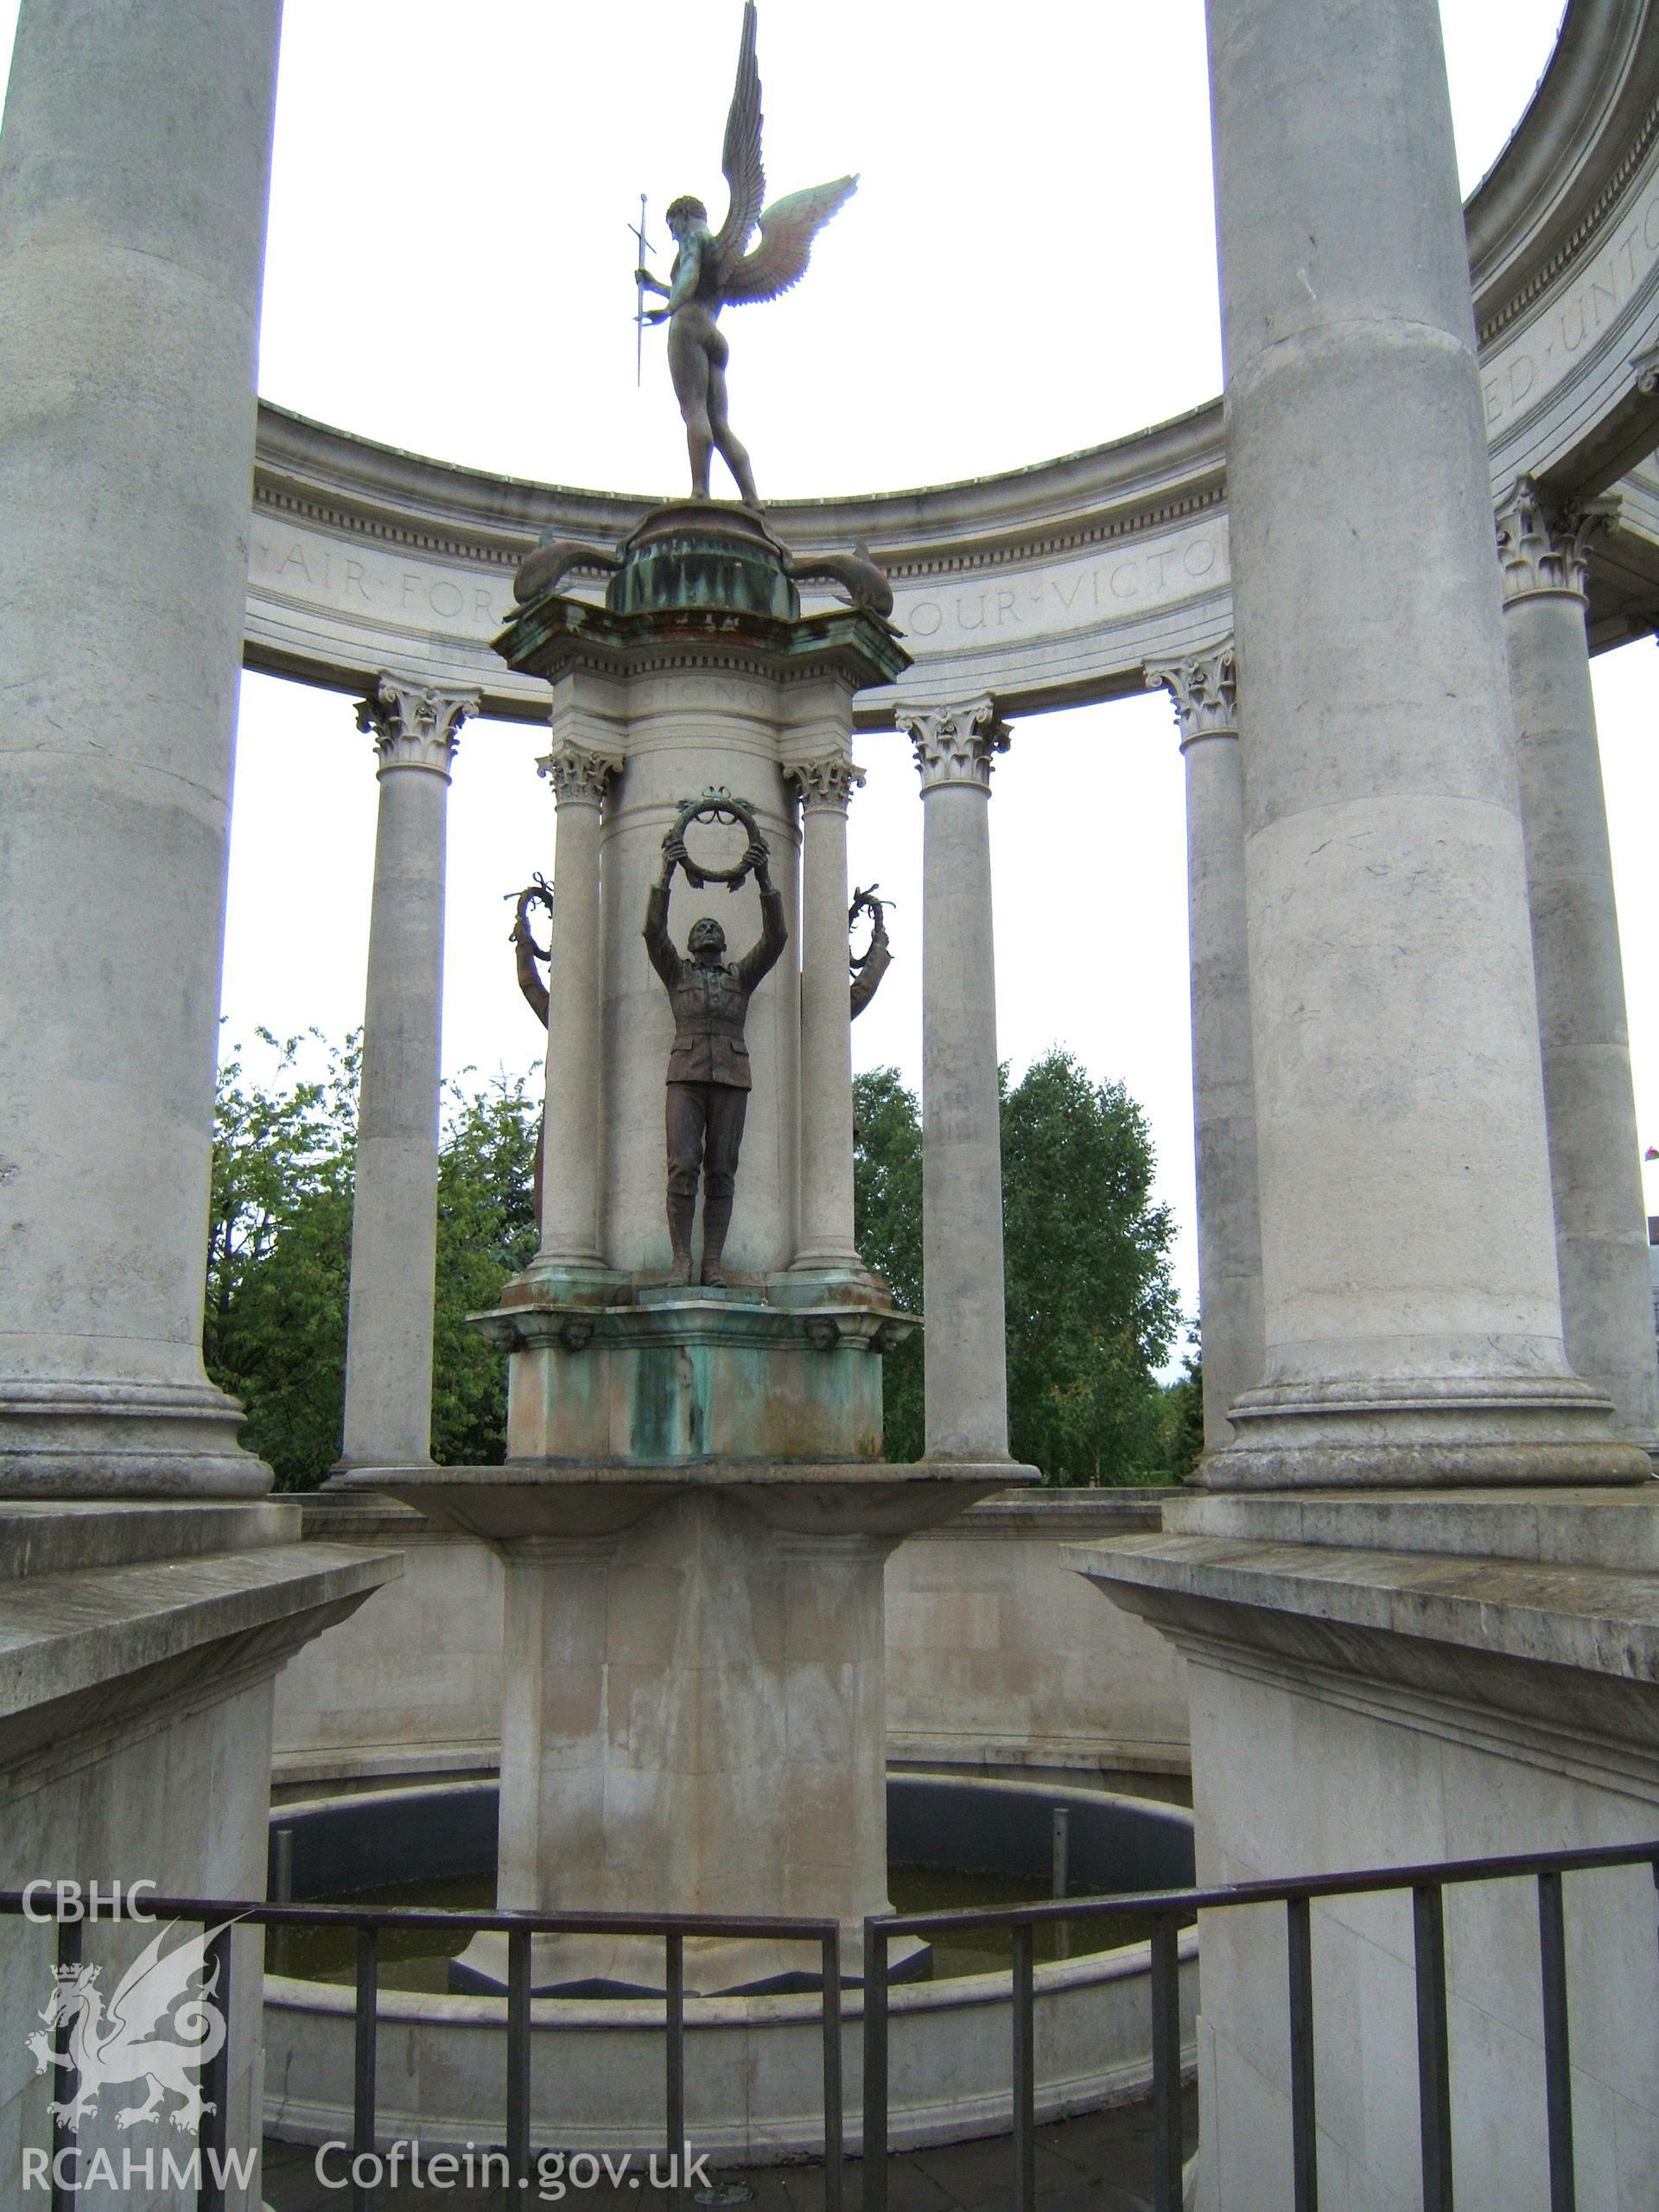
(1102, 2162)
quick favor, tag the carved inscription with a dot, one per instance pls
(305, 567)
(1063, 596)
(1520, 372)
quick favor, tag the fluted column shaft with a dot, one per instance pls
(133, 170)
(395, 1208)
(1223, 1087)
(967, 1390)
(1412, 1312)
(826, 788)
(1601, 1235)
(569, 1222)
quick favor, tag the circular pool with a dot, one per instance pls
(752, 2066)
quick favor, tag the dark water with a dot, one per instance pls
(417, 1959)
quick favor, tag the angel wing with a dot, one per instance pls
(787, 229)
(153, 1983)
(740, 158)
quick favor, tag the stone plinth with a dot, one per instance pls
(693, 1703)
(1396, 1680)
(681, 1375)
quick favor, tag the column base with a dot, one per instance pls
(1453, 1432)
(94, 1439)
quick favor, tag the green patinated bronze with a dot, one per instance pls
(698, 569)
(682, 1376)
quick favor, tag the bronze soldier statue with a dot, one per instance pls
(708, 1079)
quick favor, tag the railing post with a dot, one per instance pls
(1165, 2066)
(1024, 2068)
(834, 2131)
(213, 2130)
(64, 2189)
(517, 2057)
(875, 2067)
(1433, 2056)
(1304, 2141)
(1061, 1878)
(366, 2042)
(674, 2056)
(1558, 2075)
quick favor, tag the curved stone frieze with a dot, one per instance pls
(1059, 583)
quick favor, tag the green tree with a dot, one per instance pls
(279, 1257)
(1091, 1312)
(887, 1222)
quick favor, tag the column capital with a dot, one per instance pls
(579, 777)
(1205, 688)
(414, 725)
(954, 745)
(826, 784)
(1543, 545)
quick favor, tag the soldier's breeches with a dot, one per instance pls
(705, 1134)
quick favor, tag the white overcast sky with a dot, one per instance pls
(1029, 268)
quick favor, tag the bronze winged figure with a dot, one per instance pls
(714, 270)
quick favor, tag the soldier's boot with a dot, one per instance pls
(681, 1209)
(716, 1220)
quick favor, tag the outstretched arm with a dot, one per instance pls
(867, 982)
(774, 935)
(523, 950)
(664, 958)
(647, 283)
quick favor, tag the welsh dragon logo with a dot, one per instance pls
(118, 2046)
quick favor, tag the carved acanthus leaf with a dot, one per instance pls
(414, 725)
(1205, 688)
(954, 745)
(1544, 547)
(828, 781)
(579, 777)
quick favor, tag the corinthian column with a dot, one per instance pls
(134, 168)
(1601, 1235)
(967, 1385)
(1413, 1316)
(570, 1224)
(826, 786)
(1223, 1087)
(395, 1211)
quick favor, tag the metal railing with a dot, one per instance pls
(368, 1922)
(1164, 1912)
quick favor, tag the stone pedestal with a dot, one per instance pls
(695, 1511)
(1424, 1676)
(682, 1376)
(694, 1708)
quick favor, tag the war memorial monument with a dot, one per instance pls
(1415, 1586)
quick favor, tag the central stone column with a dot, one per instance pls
(695, 1509)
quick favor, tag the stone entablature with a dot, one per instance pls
(1058, 584)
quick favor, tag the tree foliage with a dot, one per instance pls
(1091, 1312)
(279, 1256)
